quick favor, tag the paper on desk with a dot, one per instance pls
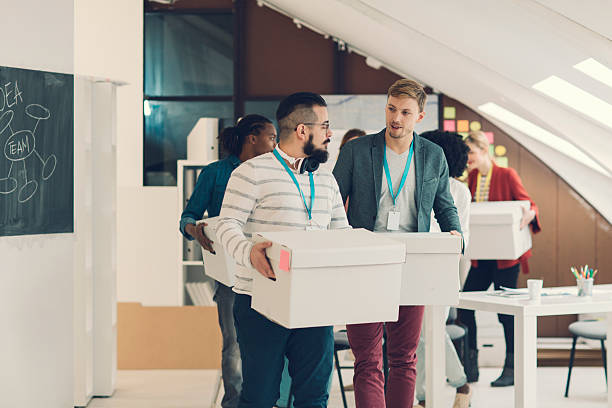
(522, 292)
(509, 294)
(515, 290)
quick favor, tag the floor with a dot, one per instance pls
(194, 389)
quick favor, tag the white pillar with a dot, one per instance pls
(525, 361)
(435, 331)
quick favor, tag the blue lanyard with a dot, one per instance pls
(312, 187)
(404, 176)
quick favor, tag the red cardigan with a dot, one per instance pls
(506, 185)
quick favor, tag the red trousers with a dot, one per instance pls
(402, 341)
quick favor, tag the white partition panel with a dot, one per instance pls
(105, 238)
(83, 244)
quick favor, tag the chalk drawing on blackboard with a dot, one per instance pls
(19, 146)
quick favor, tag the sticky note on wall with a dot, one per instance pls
(490, 136)
(500, 150)
(501, 161)
(450, 112)
(475, 125)
(463, 126)
(449, 125)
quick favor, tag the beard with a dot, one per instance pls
(315, 153)
(316, 156)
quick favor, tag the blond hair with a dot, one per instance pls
(478, 139)
(408, 88)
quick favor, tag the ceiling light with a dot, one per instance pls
(595, 70)
(576, 98)
(542, 135)
(373, 63)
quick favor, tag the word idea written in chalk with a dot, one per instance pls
(10, 95)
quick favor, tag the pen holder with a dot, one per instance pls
(585, 287)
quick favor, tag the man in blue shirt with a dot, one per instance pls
(252, 136)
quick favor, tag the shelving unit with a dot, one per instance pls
(190, 267)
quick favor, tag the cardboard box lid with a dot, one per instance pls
(497, 212)
(427, 242)
(325, 248)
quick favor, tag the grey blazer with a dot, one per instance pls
(359, 174)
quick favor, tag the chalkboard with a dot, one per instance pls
(37, 152)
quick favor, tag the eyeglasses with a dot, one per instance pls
(324, 125)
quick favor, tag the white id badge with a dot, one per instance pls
(310, 226)
(393, 221)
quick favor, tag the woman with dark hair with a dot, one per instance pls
(456, 153)
(350, 135)
(252, 136)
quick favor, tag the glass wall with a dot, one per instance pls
(167, 125)
(188, 74)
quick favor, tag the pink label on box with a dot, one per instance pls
(285, 257)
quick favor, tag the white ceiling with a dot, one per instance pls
(478, 51)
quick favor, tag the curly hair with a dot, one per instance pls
(455, 149)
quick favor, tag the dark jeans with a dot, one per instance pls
(480, 278)
(263, 347)
(231, 366)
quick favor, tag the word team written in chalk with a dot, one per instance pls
(19, 147)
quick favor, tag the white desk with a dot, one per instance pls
(525, 314)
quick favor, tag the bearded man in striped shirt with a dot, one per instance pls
(274, 192)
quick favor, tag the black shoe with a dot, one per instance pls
(471, 366)
(506, 378)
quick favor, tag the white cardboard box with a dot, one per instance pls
(219, 266)
(430, 275)
(494, 230)
(332, 277)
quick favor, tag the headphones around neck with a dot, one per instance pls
(309, 164)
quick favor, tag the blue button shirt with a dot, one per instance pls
(209, 192)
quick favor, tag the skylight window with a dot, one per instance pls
(595, 70)
(576, 98)
(542, 135)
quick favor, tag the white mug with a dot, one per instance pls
(535, 288)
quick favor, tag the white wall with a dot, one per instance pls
(36, 315)
(109, 44)
(36, 272)
(46, 34)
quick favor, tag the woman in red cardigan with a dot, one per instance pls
(489, 182)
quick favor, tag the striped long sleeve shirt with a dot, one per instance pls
(260, 197)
